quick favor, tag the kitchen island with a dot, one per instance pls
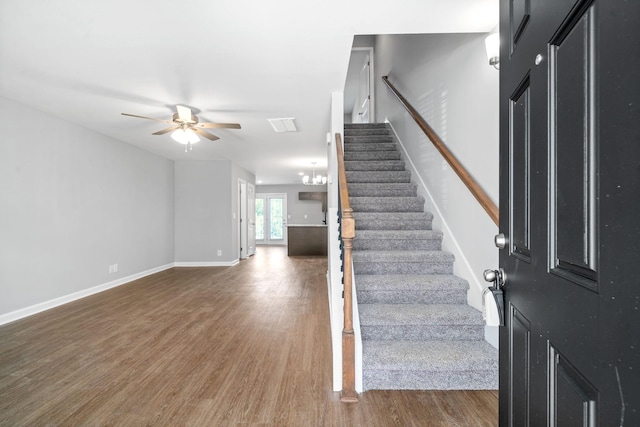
(307, 239)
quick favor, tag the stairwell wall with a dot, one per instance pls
(447, 78)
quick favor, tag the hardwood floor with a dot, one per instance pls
(223, 346)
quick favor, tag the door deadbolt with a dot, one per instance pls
(500, 241)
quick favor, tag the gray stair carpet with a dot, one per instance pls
(418, 333)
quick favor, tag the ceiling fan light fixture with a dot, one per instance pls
(184, 136)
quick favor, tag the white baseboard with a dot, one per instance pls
(208, 264)
(37, 308)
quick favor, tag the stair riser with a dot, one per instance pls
(429, 380)
(373, 190)
(422, 332)
(402, 268)
(371, 155)
(369, 147)
(366, 126)
(368, 139)
(363, 133)
(397, 244)
(412, 297)
(369, 165)
(379, 177)
(392, 225)
(400, 206)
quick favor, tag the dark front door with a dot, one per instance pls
(570, 208)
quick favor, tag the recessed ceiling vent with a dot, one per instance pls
(283, 125)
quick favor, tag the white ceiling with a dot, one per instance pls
(244, 61)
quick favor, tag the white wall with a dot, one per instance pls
(206, 212)
(73, 202)
(296, 208)
(203, 213)
(447, 78)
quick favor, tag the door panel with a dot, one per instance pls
(271, 224)
(520, 171)
(572, 146)
(572, 399)
(520, 356)
(569, 197)
(520, 13)
(242, 186)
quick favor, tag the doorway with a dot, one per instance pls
(270, 223)
(359, 101)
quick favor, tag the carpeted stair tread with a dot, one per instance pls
(419, 314)
(400, 234)
(411, 289)
(432, 355)
(410, 282)
(365, 146)
(371, 155)
(430, 365)
(366, 126)
(364, 132)
(378, 176)
(368, 139)
(398, 240)
(392, 216)
(393, 220)
(392, 189)
(402, 256)
(387, 204)
(374, 165)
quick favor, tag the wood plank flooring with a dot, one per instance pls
(223, 346)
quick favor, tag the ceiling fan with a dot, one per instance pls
(186, 128)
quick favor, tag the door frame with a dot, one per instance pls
(251, 219)
(242, 219)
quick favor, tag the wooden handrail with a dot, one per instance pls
(347, 233)
(477, 191)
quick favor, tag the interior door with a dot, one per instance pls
(569, 202)
(364, 92)
(251, 219)
(242, 197)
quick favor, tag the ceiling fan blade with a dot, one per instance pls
(207, 135)
(184, 113)
(218, 125)
(148, 118)
(167, 130)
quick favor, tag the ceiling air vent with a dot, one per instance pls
(283, 125)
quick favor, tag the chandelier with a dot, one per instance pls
(314, 179)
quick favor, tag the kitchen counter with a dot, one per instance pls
(307, 239)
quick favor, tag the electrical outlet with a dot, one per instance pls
(219, 252)
(113, 268)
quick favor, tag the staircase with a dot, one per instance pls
(417, 330)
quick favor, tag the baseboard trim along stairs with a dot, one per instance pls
(418, 332)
